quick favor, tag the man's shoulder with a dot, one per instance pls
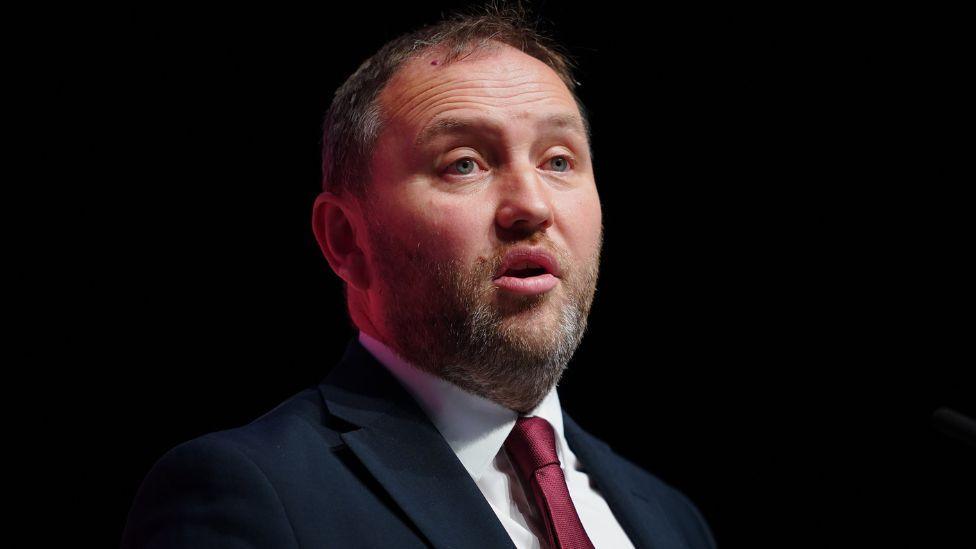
(295, 427)
(654, 491)
(682, 510)
(246, 478)
(294, 438)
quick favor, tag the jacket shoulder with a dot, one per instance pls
(221, 488)
(300, 421)
(660, 497)
(684, 514)
(207, 492)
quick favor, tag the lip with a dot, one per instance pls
(527, 286)
(538, 256)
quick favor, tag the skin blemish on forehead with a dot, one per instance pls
(434, 62)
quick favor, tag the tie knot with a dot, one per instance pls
(532, 445)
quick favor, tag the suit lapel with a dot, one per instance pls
(653, 529)
(407, 455)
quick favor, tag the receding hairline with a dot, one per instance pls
(442, 54)
(476, 51)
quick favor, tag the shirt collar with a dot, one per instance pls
(474, 427)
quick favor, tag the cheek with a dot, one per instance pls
(452, 229)
(582, 221)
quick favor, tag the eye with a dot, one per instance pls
(560, 163)
(465, 165)
(462, 166)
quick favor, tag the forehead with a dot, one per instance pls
(501, 82)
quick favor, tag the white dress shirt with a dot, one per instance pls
(476, 429)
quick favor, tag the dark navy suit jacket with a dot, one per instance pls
(355, 462)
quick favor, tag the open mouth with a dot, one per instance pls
(526, 278)
(525, 273)
(528, 271)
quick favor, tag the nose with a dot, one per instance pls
(524, 205)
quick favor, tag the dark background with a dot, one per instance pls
(784, 296)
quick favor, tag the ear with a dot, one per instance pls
(336, 223)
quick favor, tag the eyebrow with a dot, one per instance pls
(455, 126)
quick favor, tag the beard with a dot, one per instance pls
(450, 320)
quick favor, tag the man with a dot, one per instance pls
(460, 210)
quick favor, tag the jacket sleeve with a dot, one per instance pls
(207, 493)
(699, 530)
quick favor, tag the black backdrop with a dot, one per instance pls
(784, 298)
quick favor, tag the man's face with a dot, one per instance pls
(511, 172)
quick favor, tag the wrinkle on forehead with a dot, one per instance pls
(501, 78)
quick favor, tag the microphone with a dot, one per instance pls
(956, 425)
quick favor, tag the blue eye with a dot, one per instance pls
(561, 163)
(465, 166)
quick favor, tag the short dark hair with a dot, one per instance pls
(354, 122)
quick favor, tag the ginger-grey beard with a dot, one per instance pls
(450, 320)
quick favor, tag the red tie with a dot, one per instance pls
(531, 447)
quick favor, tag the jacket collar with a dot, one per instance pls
(475, 427)
(404, 451)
